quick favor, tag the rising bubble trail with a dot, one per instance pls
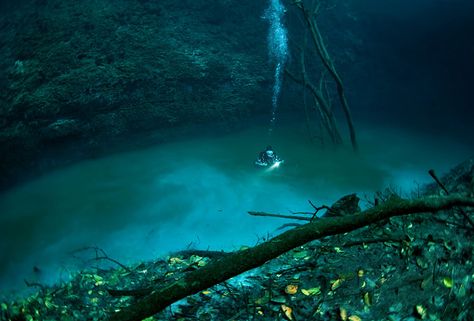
(277, 47)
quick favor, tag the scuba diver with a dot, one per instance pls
(268, 158)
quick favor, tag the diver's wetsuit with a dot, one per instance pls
(268, 157)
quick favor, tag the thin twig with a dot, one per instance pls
(300, 218)
(318, 208)
(37, 284)
(100, 254)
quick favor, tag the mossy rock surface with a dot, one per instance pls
(88, 72)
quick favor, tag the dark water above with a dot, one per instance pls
(142, 204)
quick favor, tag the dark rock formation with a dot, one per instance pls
(460, 179)
(346, 205)
(82, 78)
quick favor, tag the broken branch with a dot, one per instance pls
(293, 217)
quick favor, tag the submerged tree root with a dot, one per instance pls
(242, 261)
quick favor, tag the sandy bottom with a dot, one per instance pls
(197, 192)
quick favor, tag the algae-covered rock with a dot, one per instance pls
(83, 73)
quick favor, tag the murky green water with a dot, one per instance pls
(145, 203)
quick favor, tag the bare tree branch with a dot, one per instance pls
(293, 217)
(310, 18)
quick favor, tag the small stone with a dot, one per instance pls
(396, 308)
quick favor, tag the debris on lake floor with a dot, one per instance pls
(416, 267)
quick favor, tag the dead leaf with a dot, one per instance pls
(425, 283)
(421, 263)
(301, 255)
(175, 260)
(367, 299)
(421, 311)
(343, 314)
(335, 284)
(311, 291)
(287, 311)
(264, 299)
(291, 289)
(448, 282)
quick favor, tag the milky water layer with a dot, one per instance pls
(143, 204)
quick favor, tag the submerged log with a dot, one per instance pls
(245, 260)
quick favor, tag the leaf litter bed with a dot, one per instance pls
(416, 267)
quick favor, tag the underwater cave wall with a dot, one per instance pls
(82, 78)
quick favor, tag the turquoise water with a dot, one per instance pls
(145, 203)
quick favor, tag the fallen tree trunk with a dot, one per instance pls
(242, 261)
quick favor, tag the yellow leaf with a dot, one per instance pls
(206, 292)
(448, 282)
(49, 304)
(312, 291)
(97, 278)
(175, 260)
(354, 318)
(421, 310)
(288, 311)
(335, 284)
(343, 314)
(367, 299)
(291, 289)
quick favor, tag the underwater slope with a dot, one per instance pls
(405, 268)
(143, 204)
(91, 74)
